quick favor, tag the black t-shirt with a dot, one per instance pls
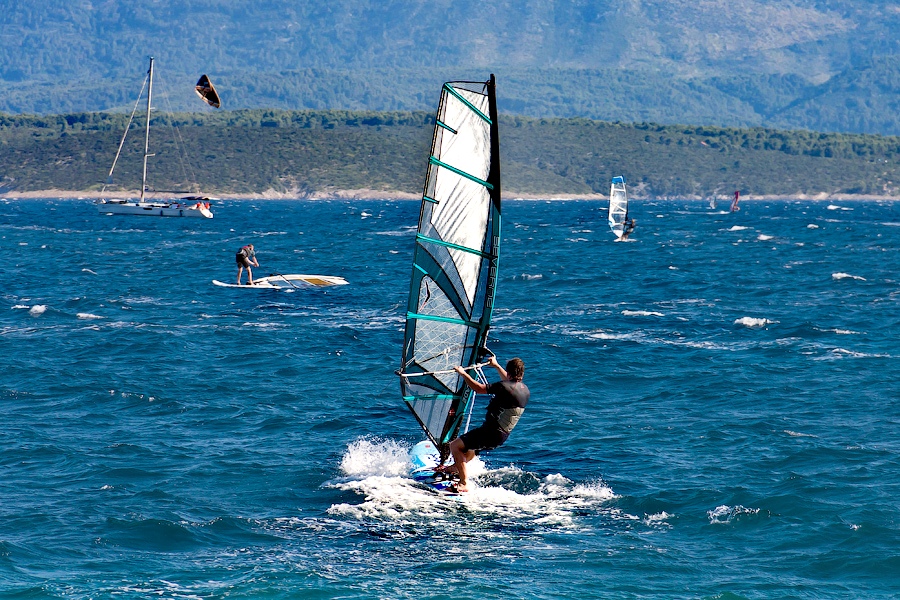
(506, 394)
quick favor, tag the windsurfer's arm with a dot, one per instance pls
(479, 387)
(492, 362)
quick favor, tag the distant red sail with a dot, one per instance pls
(734, 203)
(207, 92)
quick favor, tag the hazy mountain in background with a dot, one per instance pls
(826, 65)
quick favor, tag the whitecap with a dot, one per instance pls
(21, 306)
(527, 277)
(657, 519)
(725, 514)
(753, 322)
(88, 316)
(798, 434)
(839, 276)
(843, 352)
(642, 313)
(738, 228)
(836, 207)
(602, 335)
(764, 238)
(88, 271)
(812, 226)
(37, 310)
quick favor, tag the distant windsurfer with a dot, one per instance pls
(510, 396)
(629, 227)
(246, 257)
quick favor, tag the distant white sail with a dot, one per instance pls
(618, 206)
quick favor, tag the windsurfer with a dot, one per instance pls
(510, 396)
(629, 227)
(246, 257)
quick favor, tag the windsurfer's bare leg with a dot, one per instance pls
(249, 276)
(460, 458)
(240, 272)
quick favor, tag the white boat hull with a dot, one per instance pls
(153, 209)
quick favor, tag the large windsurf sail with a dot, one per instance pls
(455, 261)
(618, 206)
(734, 202)
(207, 92)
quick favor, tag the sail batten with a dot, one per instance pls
(435, 161)
(424, 238)
(455, 259)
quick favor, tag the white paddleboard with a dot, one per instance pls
(292, 281)
(424, 459)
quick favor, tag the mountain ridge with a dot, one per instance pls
(828, 66)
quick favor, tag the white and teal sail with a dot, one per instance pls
(618, 206)
(455, 261)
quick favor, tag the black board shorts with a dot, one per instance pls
(242, 261)
(483, 438)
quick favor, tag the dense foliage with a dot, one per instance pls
(304, 152)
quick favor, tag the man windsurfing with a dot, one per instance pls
(510, 396)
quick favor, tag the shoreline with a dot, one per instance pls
(370, 194)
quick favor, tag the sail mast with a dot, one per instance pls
(147, 130)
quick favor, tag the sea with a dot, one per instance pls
(714, 409)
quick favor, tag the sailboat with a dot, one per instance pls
(188, 206)
(734, 202)
(454, 271)
(619, 223)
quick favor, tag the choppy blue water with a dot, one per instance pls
(714, 407)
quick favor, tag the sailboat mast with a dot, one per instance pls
(147, 130)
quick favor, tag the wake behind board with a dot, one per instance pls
(281, 282)
(424, 459)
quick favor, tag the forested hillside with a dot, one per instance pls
(302, 153)
(831, 66)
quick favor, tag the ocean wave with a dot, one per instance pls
(37, 310)
(839, 276)
(765, 238)
(737, 228)
(726, 514)
(642, 313)
(527, 277)
(812, 226)
(88, 316)
(844, 353)
(836, 207)
(753, 322)
(798, 434)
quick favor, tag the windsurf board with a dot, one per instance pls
(424, 458)
(280, 282)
